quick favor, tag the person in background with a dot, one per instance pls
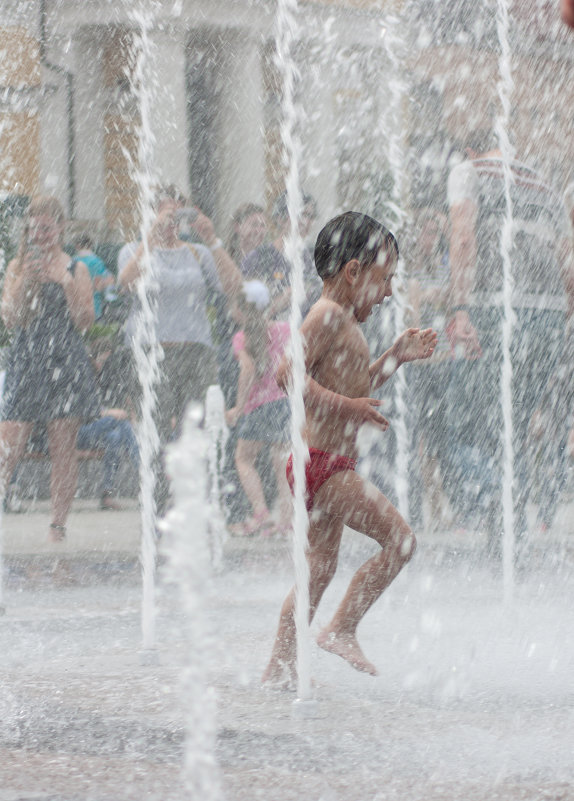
(551, 430)
(248, 231)
(47, 303)
(101, 277)
(542, 281)
(428, 292)
(268, 263)
(261, 411)
(112, 432)
(185, 276)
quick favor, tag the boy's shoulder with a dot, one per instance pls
(327, 313)
(327, 318)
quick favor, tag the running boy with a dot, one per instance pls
(356, 257)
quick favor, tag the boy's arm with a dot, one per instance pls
(413, 344)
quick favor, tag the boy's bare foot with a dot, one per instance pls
(279, 675)
(347, 647)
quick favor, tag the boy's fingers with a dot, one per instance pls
(379, 419)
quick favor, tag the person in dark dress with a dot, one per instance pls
(46, 303)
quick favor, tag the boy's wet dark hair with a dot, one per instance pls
(351, 235)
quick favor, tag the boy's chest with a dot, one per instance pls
(345, 369)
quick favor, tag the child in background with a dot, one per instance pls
(261, 411)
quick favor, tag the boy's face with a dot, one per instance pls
(373, 285)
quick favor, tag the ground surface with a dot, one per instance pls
(475, 699)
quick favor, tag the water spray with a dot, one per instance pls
(505, 88)
(146, 348)
(189, 565)
(286, 36)
(394, 46)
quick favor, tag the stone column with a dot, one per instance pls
(89, 108)
(168, 112)
(241, 140)
(319, 134)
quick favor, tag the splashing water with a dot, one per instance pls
(146, 348)
(218, 434)
(286, 36)
(505, 88)
(395, 47)
(186, 528)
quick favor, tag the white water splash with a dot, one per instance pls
(285, 38)
(505, 88)
(146, 348)
(218, 433)
(189, 565)
(394, 47)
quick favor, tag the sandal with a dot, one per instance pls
(57, 533)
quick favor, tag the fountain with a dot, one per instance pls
(475, 696)
(146, 348)
(286, 35)
(189, 566)
(505, 88)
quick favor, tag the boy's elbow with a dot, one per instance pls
(282, 378)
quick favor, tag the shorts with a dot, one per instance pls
(318, 469)
(267, 423)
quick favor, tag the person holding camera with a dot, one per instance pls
(46, 304)
(185, 276)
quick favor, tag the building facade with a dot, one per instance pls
(75, 77)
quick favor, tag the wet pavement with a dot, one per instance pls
(475, 698)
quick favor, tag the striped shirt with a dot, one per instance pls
(539, 223)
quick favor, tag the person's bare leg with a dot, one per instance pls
(64, 476)
(284, 500)
(364, 508)
(246, 455)
(14, 435)
(324, 540)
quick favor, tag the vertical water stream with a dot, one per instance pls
(505, 87)
(146, 348)
(285, 40)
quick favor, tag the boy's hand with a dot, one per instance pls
(362, 410)
(415, 344)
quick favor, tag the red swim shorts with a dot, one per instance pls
(318, 469)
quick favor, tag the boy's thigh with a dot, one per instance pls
(355, 502)
(325, 532)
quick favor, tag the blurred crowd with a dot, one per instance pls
(221, 308)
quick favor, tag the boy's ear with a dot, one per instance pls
(351, 270)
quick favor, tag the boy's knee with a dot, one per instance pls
(407, 545)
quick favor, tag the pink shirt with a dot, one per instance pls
(266, 389)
